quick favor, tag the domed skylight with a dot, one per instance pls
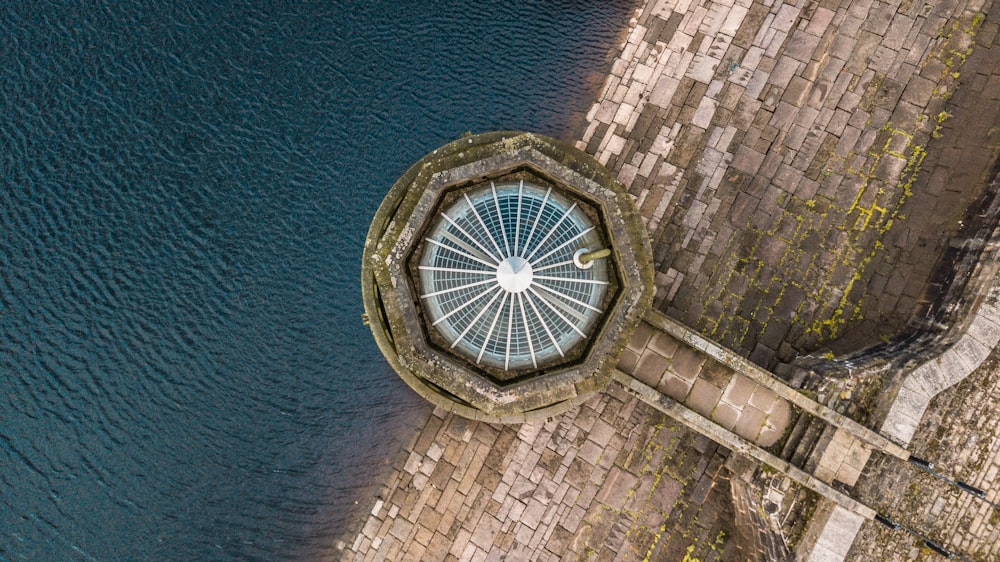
(508, 275)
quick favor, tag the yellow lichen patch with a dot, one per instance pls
(688, 557)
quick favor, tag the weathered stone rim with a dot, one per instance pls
(391, 311)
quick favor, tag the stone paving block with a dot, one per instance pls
(985, 327)
(533, 513)
(586, 417)
(769, 435)
(472, 553)
(857, 456)
(970, 352)
(601, 433)
(428, 434)
(819, 21)
(663, 344)
(725, 415)
(801, 46)
(704, 397)
(651, 367)
(717, 374)
(427, 467)
(486, 530)
(738, 392)
(412, 463)
(686, 363)
(674, 387)
(702, 489)
(640, 337)
(784, 71)
(762, 398)
(837, 449)
(826, 473)
(778, 418)
(934, 377)
(991, 90)
(413, 553)
(905, 414)
(615, 491)
(750, 423)
(590, 452)
(628, 360)
(785, 17)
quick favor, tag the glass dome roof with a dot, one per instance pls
(506, 276)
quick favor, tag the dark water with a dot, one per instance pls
(183, 370)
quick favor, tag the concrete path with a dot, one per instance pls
(935, 376)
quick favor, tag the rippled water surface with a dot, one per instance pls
(186, 190)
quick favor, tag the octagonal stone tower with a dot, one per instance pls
(503, 274)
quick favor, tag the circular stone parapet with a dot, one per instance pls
(503, 274)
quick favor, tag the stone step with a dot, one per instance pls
(795, 436)
(813, 431)
(811, 461)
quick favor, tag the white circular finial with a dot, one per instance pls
(514, 274)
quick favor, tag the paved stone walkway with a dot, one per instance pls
(776, 149)
(708, 387)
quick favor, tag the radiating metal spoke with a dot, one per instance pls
(527, 330)
(476, 319)
(457, 270)
(545, 325)
(517, 225)
(510, 328)
(551, 231)
(467, 304)
(503, 231)
(575, 313)
(486, 340)
(449, 237)
(578, 236)
(459, 288)
(541, 209)
(517, 304)
(554, 265)
(470, 237)
(546, 302)
(569, 298)
(590, 281)
(483, 224)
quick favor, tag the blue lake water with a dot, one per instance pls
(184, 374)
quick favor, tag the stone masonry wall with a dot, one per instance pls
(964, 163)
(773, 147)
(613, 480)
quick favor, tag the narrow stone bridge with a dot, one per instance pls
(599, 479)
